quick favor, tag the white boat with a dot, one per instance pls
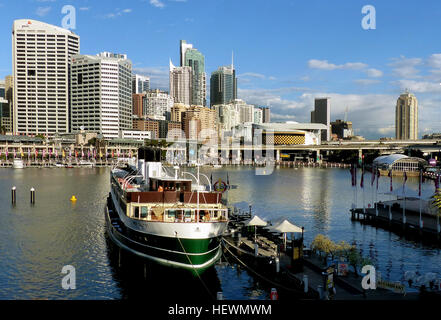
(59, 165)
(85, 163)
(163, 217)
(18, 164)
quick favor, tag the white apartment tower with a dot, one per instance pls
(140, 83)
(101, 94)
(157, 104)
(40, 61)
(181, 84)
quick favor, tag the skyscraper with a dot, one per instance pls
(41, 56)
(266, 114)
(406, 117)
(140, 84)
(157, 104)
(181, 84)
(322, 114)
(9, 95)
(223, 85)
(191, 57)
(101, 94)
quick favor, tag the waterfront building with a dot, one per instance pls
(135, 135)
(181, 84)
(157, 104)
(342, 129)
(223, 85)
(101, 94)
(290, 133)
(406, 117)
(398, 164)
(146, 124)
(40, 58)
(191, 57)
(140, 84)
(322, 114)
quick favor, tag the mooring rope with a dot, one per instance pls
(196, 271)
(261, 276)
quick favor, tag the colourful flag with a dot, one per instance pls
(436, 183)
(29, 153)
(362, 178)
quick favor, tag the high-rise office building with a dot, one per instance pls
(191, 57)
(406, 117)
(101, 94)
(223, 85)
(199, 123)
(258, 116)
(322, 114)
(140, 84)
(4, 109)
(41, 56)
(157, 104)
(137, 104)
(181, 84)
(266, 114)
(9, 95)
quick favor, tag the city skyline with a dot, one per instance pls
(362, 70)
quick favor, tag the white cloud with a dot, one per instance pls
(366, 82)
(419, 86)
(406, 67)
(157, 3)
(159, 76)
(325, 65)
(374, 73)
(43, 11)
(252, 75)
(117, 13)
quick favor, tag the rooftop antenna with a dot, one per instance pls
(346, 114)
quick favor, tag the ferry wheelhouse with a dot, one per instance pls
(165, 217)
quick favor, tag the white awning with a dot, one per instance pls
(256, 221)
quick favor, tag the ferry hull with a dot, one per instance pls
(195, 254)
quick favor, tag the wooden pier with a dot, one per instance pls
(405, 224)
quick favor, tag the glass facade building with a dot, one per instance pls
(223, 86)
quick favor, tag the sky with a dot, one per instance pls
(286, 53)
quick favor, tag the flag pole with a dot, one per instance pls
(419, 193)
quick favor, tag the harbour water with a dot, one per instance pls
(36, 241)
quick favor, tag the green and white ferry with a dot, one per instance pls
(163, 216)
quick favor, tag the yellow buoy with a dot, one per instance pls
(73, 199)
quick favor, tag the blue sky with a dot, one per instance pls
(286, 52)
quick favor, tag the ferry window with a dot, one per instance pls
(144, 212)
(171, 213)
(187, 213)
(136, 212)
